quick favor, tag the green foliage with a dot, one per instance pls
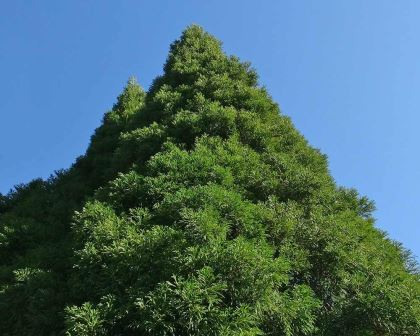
(198, 209)
(192, 306)
(88, 319)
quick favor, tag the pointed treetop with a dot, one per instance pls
(131, 99)
(194, 51)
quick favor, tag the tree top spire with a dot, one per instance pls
(131, 98)
(194, 51)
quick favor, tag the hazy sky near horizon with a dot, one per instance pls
(346, 72)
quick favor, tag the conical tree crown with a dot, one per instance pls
(98, 162)
(130, 100)
(195, 53)
(116, 121)
(206, 213)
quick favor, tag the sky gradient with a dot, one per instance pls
(346, 72)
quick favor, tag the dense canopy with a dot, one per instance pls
(198, 209)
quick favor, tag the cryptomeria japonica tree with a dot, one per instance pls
(198, 209)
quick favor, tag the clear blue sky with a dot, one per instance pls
(347, 72)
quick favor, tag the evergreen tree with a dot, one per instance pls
(199, 209)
